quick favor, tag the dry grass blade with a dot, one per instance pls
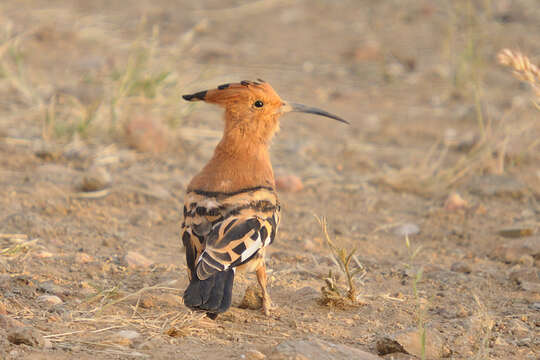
(18, 248)
(81, 331)
(14, 236)
(107, 294)
(92, 194)
(252, 7)
(524, 70)
(483, 327)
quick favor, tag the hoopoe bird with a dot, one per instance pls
(231, 209)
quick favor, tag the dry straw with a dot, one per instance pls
(524, 70)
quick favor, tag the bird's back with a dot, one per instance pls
(221, 232)
(227, 225)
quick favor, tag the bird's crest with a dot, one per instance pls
(255, 97)
(248, 92)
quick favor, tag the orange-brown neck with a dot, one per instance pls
(239, 162)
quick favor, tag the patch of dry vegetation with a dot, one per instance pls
(437, 171)
(112, 310)
(100, 102)
(332, 294)
(440, 169)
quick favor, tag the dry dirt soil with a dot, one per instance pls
(436, 182)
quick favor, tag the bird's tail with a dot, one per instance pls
(213, 295)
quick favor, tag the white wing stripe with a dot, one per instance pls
(252, 249)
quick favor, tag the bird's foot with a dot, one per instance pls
(268, 307)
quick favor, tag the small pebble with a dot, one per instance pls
(531, 286)
(8, 323)
(252, 298)
(514, 250)
(526, 260)
(47, 152)
(146, 134)
(50, 299)
(124, 337)
(370, 51)
(134, 259)
(289, 183)
(177, 332)
(83, 258)
(3, 310)
(516, 232)
(497, 185)
(44, 255)
(96, 178)
(409, 342)
(26, 335)
(147, 303)
(254, 355)
(455, 202)
(54, 289)
(128, 334)
(461, 267)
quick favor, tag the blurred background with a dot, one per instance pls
(97, 147)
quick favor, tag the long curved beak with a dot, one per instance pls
(293, 107)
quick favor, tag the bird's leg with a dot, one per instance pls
(261, 278)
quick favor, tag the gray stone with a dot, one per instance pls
(4, 343)
(386, 345)
(318, 349)
(96, 178)
(497, 185)
(528, 278)
(50, 299)
(26, 335)
(128, 334)
(3, 309)
(124, 338)
(461, 267)
(135, 259)
(253, 355)
(409, 342)
(252, 298)
(513, 250)
(530, 286)
(516, 232)
(400, 356)
(8, 323)
(49, 287)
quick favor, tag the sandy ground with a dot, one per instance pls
(93, 89)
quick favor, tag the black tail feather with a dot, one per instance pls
(213, 294)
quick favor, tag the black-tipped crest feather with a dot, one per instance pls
(195, 97)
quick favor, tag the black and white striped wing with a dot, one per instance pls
(235, 241)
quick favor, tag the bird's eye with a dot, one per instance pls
(258, 104)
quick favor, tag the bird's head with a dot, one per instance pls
(253, 108)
